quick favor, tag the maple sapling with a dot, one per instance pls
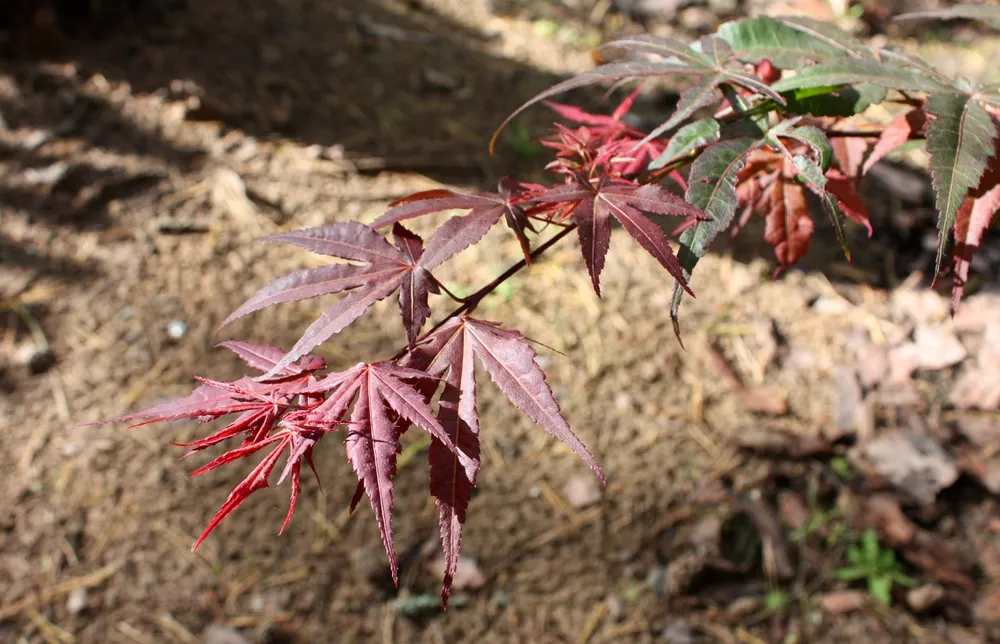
(746, 138)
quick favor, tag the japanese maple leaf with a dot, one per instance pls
(381, 396)
(601, 126)
(404, 266)
(896, 134)
(601, 141)
(297, 440)
(268, 417)
(592, 207)
(788, 224)
(972, 220)
(510, 362)
(462, 232)
(258, 404)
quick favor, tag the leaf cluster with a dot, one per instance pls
(772, 125)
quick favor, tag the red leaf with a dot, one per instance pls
(510, 362)
(373, 435)
(789, 227)
(256, 480)
(263, 357)
(592, 207)
(896, 134)
(972, 220)
(851, 204)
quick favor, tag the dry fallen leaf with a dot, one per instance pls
(913, 463)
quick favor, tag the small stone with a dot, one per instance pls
(216, 634)
(656, 579)
(37, 359)
(176, 329)
(582, 490)
(697, 19)
(76, 603)
(840, 602)
(744, 606)
(923, 598)
(678, 631)
(724, 7)
(616, 608)
(831, 305)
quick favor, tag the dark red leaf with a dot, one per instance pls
(788, 224)
(592, 207)
(851, 204)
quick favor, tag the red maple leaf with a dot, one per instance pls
(510, 362)
(593, 204)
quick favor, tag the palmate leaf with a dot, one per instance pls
(711, 59)
(385, 268)
(960, 140)
(986, 15)
(386, 403)
(511, 363)
(788, 43)
(712, 189)
(462, 232)
(593, 206)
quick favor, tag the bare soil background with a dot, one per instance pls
(142, 151)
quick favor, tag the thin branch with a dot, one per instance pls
(472, 301)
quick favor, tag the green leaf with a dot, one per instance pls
(712, 188)
(856, 71)
(828, 33)
(851, 574)
(834, 100)
(686, 140)
(960, 140)
(713, 58)
(755, 39)
(869, 546)
(880, 588)
(987, 15)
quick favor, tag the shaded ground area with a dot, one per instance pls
(135, 170)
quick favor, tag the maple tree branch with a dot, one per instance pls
(447, 292)
(472, 301)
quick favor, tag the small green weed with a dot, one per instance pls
(868, 560)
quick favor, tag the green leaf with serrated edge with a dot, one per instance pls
(687, 139)
(756, 39)
(815, 139)
(986, 15)
(837, 100)
(828, 33)
(692, 99)
(712, 188)
(855, 71)
(960, 141)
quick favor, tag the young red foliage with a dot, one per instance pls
(592, 204)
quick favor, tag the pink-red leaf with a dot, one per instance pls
(263, 357)
(896, 134)
(510, 362)
(973, 219)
